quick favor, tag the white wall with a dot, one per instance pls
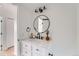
(8, 10)
(78, 29)
(62, 28)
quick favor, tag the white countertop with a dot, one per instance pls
(39, 42)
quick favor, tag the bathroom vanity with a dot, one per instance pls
(35, 47)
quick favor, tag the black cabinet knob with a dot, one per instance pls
(1, 21)
(1, 33)
(50, 54)
(37, 49)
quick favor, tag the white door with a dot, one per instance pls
(9, 24)
(0, 33)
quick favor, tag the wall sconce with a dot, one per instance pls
(40, 10)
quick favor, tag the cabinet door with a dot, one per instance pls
(38, 50)
(35, 50)
(26, 48)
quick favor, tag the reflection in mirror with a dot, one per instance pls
(39, 25)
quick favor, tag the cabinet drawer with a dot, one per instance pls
(38, 50)
(26, 48)
(26, 45)
(25, 52)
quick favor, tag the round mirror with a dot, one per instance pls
(41, 23)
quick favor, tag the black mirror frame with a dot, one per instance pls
(48, 25)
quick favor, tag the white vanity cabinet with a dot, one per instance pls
(33, 48)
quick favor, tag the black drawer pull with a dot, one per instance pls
(1, 33)
(1, 21)
(37, 49)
